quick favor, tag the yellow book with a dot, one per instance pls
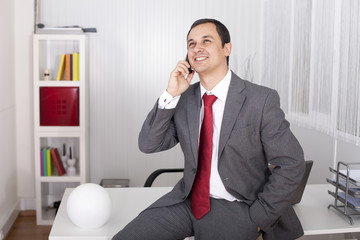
(76, 67)
(48, 162)
(61, 68)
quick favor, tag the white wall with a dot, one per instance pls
(318, 147)
(325, 151)
(24, 22)
(8, 173)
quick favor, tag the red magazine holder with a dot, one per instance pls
(59, 106)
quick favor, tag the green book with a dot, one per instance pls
(44, 161)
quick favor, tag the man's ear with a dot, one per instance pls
(227, 47)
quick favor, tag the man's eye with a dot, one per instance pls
(191, 44)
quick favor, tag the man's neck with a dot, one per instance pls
(210, 80)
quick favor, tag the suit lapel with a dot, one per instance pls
(193, 115)
(233, 105)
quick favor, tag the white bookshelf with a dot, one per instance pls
(47, 52)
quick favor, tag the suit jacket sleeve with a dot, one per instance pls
(282, 150)
(158, 132)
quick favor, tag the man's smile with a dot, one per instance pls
(201, 58)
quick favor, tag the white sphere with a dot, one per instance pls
(89, 206)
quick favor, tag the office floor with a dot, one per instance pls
(25, 228)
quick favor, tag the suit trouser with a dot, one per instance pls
(226, 221)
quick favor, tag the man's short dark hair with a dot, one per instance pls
(220, 28)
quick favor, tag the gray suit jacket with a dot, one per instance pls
(254, 133)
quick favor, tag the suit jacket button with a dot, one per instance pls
(194, 170)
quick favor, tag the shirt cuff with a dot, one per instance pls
(166, 101)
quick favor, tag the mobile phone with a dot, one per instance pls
(190, 68)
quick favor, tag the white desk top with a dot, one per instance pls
(312, 211)
(127, 203)
(316, 218)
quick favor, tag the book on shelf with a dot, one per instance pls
(61, 68)
(68, 67)
(41, 163)
(71, 67)
(76, 67)
(57, 161)
(48, 162)
(44, 162)
(69, 64)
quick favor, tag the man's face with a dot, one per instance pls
(205, 50)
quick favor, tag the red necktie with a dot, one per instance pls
(200, 202)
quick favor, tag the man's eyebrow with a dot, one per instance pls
(208, 36)
(205, 36)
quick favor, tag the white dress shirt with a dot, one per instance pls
(217, 188)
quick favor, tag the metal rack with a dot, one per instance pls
(348, 209)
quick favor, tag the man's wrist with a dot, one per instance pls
(170, 92)
(167, 100)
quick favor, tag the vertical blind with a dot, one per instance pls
(310, 54)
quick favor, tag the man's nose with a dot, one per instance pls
(198, 48)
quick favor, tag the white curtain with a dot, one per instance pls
(310, 53)
(349, 72)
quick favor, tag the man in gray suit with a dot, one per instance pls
(249, 132)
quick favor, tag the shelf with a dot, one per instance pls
(352, 202)
(55, 83)
(51, 110)
(59, 143)
(59, 132)
(60, 129)
(48, 52)
(47, 216)
(51, 37)
(52, 192)
(345, 191)
(353, 190)
(353, 175)
(63, 178)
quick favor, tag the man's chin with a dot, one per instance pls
(200, 69)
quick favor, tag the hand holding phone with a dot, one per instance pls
(180, 78)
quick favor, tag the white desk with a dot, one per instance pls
(316, 218)
(312, 211)
(127, 203)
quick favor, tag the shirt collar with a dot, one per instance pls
(221, 89)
